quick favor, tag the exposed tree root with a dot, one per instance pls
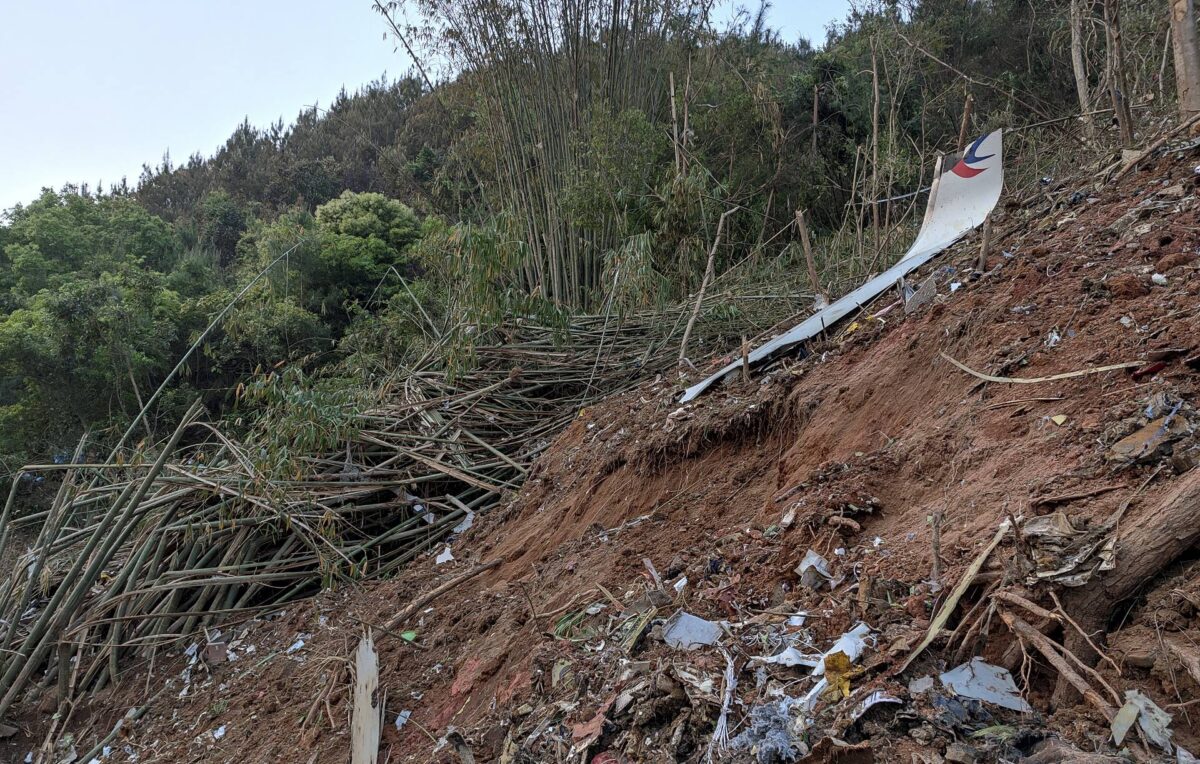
(1144, 549)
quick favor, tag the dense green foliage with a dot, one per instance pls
(101, 298)
(534, 179)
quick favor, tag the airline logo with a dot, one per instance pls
(966, 166)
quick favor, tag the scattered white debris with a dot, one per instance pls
(219, 732)
(814, 571)
(797, 619)
(445, 556)
(684, 631)
(920, 684)
(853, 643)
(980, 680)
(874, 699)
(296, 646)
(402, 718)
(465, 524)
(1159, 279)
(1154, 721)
(680, 584)
(789, 657)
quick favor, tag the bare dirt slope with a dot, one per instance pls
(558, 653)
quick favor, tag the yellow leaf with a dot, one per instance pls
(838, 671)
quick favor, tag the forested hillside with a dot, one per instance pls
(586, 395)
(534, 162)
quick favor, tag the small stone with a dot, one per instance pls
(923, 734)
(1140, 658)
(961, 753)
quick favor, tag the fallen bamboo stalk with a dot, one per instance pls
(156, 548)
(939, 621)
(1037, 380)
(708, 275)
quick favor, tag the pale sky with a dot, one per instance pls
(92, 89)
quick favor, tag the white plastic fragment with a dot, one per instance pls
(402, 718)
(219, 732)
(298, 645)
(789, 657)
(812, 696)
(920, 684)
(1183, 756)
(853, 643)
(678, 586)
(1122, 722)
(444, 557)
(465, 524)
(684, 631)
(874, 699)
(980, 680)
(814, 571)
(1155, 722)
(1159, 279)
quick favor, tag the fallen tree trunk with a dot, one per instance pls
(1146, 545)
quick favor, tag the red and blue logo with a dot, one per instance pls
(965, 167)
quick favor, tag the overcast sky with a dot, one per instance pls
(89, 91)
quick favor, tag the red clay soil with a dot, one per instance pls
(850, 452)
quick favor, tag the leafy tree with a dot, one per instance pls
(362, 237)
(81, 354)
(222, 223)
